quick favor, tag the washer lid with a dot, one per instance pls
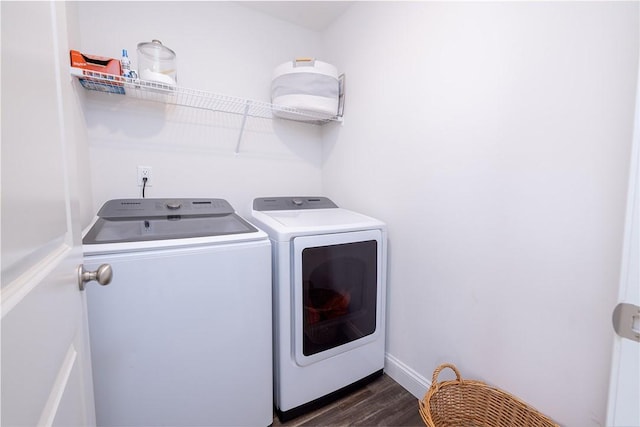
(135, 220)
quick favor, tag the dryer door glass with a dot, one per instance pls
(339, 293)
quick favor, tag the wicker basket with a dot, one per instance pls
(462, 403)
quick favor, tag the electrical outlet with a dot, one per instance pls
(145, 172)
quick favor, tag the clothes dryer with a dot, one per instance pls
(182, 335)
(329, 282)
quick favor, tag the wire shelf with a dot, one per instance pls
(194, 98)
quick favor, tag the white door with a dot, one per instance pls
(338, 294)
(624, 391)
(46, 372)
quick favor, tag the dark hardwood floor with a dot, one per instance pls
(381, 403)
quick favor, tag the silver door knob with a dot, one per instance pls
(102, 275)
(626, 321)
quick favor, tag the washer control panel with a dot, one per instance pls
(138, 220)
(148, 208)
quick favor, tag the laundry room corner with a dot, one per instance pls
(494, 140)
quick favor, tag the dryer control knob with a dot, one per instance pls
(297, 202)
(174, 205)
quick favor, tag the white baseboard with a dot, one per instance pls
(415, 383)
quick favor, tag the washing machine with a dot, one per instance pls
(329, 283)
(182, 334)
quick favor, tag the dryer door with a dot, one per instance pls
(337, 292)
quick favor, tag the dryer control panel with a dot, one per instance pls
(292, 203)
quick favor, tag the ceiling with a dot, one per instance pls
(313, 15)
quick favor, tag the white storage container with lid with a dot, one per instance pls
(310, 86)
(157, 63)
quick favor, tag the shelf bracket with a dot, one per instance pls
(247, 105)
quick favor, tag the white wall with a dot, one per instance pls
(77, 125)
(221, 47)
(494, 139)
